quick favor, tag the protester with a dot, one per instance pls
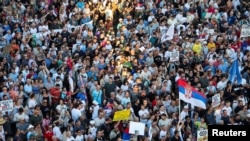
(67, 67)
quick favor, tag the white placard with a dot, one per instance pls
(208, 15)
(174, 56)
(210, 31)
(245, 31)
(136, 128)
(216, 100)
(6, 105)
(202, 135)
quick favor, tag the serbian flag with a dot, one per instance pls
(190, 95)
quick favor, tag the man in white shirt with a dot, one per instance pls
(222, 84)
(61, 108)
(76, 112)
(143, 114)
(145, 73)
(95, 109)
(227, 108)
(184, 113)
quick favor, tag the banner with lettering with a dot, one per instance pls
(216, 100)
(245, 31)
(202, 135)
(6, 105)
(174, 56)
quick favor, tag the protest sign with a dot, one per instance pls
(174, 56)
(202, 135)
(6, 105)
(245, 31)
(210, 31)
(208, 15)
(121, 115)
(216, 100)
(136, 128)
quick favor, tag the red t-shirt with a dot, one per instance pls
(48, 135)
(55, 92)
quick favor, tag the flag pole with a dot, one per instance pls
(179, 105)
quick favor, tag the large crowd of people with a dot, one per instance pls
(66, 67)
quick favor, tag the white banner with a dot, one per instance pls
(245, 31)
(6, 105)
(174, 56)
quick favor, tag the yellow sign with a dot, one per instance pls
(121, 115)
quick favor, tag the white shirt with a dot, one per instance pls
(17, 117)
(32, 103)
(143, 113)
(150, 18)
(183, 115)
(108, 47)
(76, 113)
(228, 109)
(61, 108)
(221, 85)
(187, 5)
(162, 134)
(236, 3)
(70, 139)
(79, 138)
(33, 30)
(95, 112)
(57, 132)
(145, 75)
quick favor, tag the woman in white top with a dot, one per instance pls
(163, 132)
(32, 102)
(69, 137)
(217, 114)
(62, 14)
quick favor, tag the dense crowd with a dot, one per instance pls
(66, 67)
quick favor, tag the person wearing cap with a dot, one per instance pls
(184, 113)
(92, 129)
(30, 132)
(94, 109)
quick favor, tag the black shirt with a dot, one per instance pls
(175, 139)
